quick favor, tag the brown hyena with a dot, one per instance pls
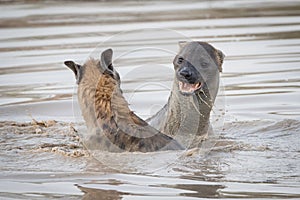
(111, 124)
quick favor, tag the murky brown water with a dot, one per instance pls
(258, 152)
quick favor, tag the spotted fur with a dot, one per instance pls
(112, 125)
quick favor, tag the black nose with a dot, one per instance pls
(185, 72)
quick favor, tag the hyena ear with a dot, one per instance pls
(106, 60)
(75, 68)
(220, 58)
(182, 44)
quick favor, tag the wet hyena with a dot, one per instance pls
(196, 83)
(112, 126)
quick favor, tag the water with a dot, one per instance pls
(258, 149)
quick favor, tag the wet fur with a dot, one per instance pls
(187, 117)
(112, 126)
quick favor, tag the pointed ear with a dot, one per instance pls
(71, 65)
(182, 44)
(106, 59)
(75, 68)
(220, 58)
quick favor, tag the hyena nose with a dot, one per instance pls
(186, 73)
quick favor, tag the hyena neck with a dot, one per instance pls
(121, 126)
(103, 97)
(109, 102)
(192, 111)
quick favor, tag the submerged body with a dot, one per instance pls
(187, 112)
(111, 125)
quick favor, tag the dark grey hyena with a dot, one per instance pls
(196, 83)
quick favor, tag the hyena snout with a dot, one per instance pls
(188, 74)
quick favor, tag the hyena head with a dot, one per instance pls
(97, 81)
(92, 70)
(197, 67)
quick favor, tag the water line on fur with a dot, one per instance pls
(209, 106)
(193, 103)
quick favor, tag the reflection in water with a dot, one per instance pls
(119, 185)
(257, 154)
(190, 190)
(202, 191)
(93, 194)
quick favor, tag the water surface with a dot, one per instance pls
(258, 152)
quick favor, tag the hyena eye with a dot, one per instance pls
(204, 64)
(180, 60)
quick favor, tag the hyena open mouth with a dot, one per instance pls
(188, 88)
